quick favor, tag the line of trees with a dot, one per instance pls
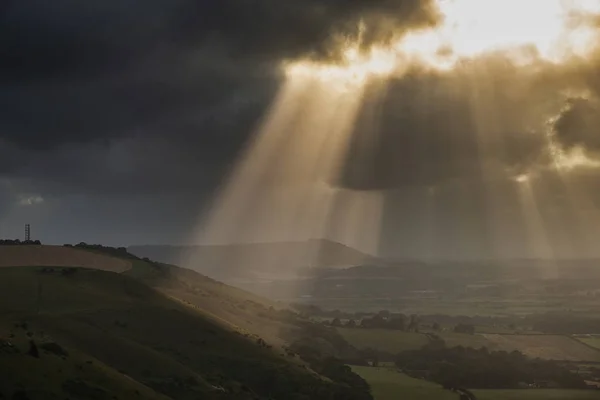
(113, 251)
(385, 320)
(482, 369)
(17, 242)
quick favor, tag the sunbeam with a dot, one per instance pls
(282, 186)
(285, 186)
(540, 246)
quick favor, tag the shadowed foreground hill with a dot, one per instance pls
(52, 256)
(252, 259)
(89, 334)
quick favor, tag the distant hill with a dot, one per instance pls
(54, 256)
(250, 260)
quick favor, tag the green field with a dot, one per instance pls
(389, 384)
(537, 394)
(384, 339)
(462, 339)
(590, 341)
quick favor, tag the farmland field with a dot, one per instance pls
(462, 339)
(388, 384)
(383, 339)
(590, 341)
(537, 394)
(550, 347)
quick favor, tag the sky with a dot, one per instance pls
(136, 121)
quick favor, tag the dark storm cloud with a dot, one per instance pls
(272, 28)
(579, 124)
(483, 122)
(155, 95)
(67, 38)
(75, 72)
(46, 115)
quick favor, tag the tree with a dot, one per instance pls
(336, 322)
(351, 323)
(465, 328)
(397, 323)
(33, 350)
(413, 324)
(436, 327)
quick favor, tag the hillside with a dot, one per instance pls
(157, 331)
(52, 256)
(255, 260)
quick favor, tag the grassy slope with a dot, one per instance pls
(552, 347)
(58, 377)
(388, 384)
(227, 305)
(384, 339)
(158, 342)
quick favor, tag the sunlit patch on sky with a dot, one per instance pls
(521, 29)
(574, 158)
(523, 178)
(355, 68)
(33, 200)
(524, 30)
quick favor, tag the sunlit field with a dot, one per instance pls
(389, 384)
(590, 341)
(385, 340)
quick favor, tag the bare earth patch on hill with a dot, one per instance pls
(53, 256)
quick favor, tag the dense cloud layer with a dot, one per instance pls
(579, 124)
(198, 70)
(145, 97)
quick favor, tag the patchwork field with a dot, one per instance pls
(460, 339)
(52, 256)
(390, 341)
(537, 394)
(550, 347)
(389, 384)
(590, 341)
